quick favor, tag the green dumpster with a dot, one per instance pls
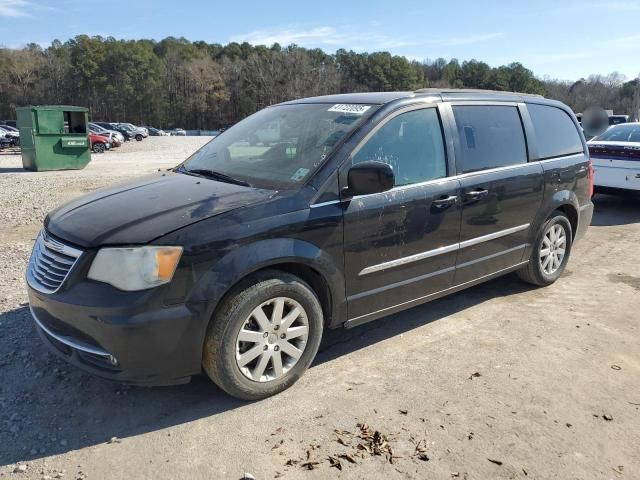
(53, 137)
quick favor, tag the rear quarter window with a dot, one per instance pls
(556, 133)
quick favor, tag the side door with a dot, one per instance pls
(400, 245)
(501, 190)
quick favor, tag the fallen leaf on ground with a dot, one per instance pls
(310, 465)
(375, 443)
(348, 458)
(334, 462)
(421, 451)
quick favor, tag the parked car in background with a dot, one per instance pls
(126, 134)
(4, 142)
(112, 135)
(156, 132)
(178, 132)
(12, 134)
(144, 130)
(115, 135)
(11, 123)
(238, 259)
(134, 132)
(99, 143)
(612, 120)
(616, 159)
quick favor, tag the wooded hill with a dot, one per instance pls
(178, 83)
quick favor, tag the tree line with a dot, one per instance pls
(178, 83)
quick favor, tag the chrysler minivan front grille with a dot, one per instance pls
(50, 263)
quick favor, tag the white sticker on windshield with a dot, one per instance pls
(300, 174)
(350, 108)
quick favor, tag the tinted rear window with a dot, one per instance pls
(556, 133)
(490, 137)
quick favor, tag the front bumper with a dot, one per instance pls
(128, 340)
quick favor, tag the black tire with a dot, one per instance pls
(99, 147)
(533, 272)
(138, 137)
(219, 352)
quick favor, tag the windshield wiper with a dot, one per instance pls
(223, 177)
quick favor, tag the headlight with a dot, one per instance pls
(136, 268)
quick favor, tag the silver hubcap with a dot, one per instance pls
(553, 248)
(272, 339)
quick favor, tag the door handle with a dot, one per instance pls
(475, 195)
(445, 201)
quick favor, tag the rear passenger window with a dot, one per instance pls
(412, 144)
(556, 133)
(490, 137)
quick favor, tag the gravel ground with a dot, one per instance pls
(500, 381)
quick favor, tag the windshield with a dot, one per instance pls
(621, 133)
(281, 146)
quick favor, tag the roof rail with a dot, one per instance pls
(473, 90)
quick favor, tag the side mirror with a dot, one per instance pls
(369, 177)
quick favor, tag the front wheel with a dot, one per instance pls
(98, 147)
(264, 336)
(550, 253)
(139, 138)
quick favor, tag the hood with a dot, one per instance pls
(140, 211)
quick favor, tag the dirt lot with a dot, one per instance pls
(500, 381)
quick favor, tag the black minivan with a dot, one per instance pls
(317, 213)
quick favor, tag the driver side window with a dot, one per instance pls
(412, 144)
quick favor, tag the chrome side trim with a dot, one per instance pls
(362, 318)
(493, 255)
(412, 258)
(442, 250)
(323, 204)
(433, 274)
(493, 236)
(400, 284)
(561, 157)
(70, 342)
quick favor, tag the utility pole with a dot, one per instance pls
(635, 106)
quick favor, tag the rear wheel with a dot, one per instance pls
(550, 254)
(264, 336)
